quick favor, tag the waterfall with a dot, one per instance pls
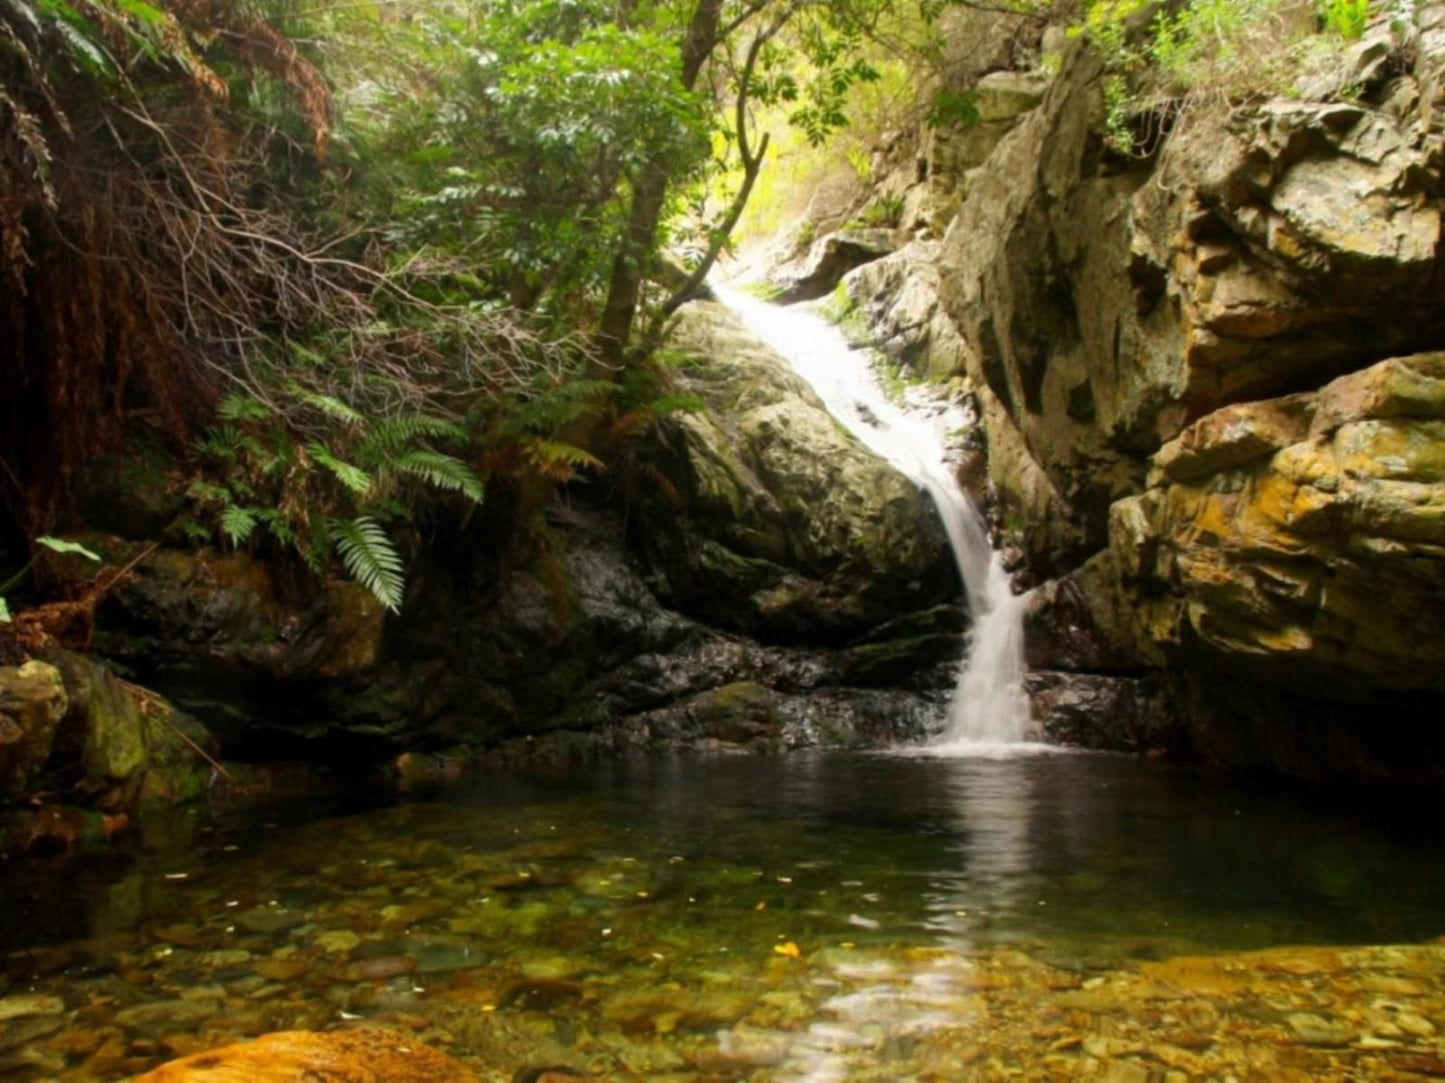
(989, 708)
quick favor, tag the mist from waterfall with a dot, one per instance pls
(989, 709)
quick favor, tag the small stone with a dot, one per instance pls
(338, 941)
(1414, 1025)
(1314, 1029)
(18, 1007)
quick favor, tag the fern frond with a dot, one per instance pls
(353, 477)
(242, 408)
(441, 471)
(394, 433)
(556, 406)
(60, 545)
(238, 523)
(681, 403)
(332, 407)
(561, 461)
(370, 558)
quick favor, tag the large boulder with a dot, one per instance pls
(577, 652)
(1303, 535)
(71, 729)
(828, 259)
(233, 614)
(783, 526)
(1108, 302)
(1208, 411)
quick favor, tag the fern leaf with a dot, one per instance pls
(353, 477)
(238, 523)
(332, 407)
(682, 403)
(88, 54)
(441, 471)
(4, 611)
(396, 432)
(561, 461)
(556, 406)
(370, 558)
(242, 408)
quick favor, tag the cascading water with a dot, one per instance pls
(989, 708)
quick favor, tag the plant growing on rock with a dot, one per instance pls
(330, 494)
(1163, 62)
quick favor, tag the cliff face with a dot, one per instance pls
(1207, 376)
(1215, 426)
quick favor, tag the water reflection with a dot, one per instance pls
(814, 918)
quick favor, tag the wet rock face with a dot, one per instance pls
(574, 653)
(232, 615)
(1107, 304)
(1209, 417)
(1306, 530)
(69, 728)
(783, 526)
(612, 667)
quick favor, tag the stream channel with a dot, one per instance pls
(811, 917)
(1019, 914)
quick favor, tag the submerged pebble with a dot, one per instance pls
(612, 959)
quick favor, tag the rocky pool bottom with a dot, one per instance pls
(813, 917)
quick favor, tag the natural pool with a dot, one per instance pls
(814, 917)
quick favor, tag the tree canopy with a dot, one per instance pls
(270, 232)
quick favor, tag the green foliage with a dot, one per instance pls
(885, 211)
(1225, 51)
(60, 545)
(370, 557)
(951, 108)
(258, 480)
(55, 545)
(1347, 18)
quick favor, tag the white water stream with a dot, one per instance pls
(989, 712)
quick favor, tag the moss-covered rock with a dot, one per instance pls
(33, 700)
(123, 746)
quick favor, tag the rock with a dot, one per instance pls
(127, 746)
(207, 627)
(539, 995)
(51, 829)
(166, 1013)
(1317, 1030)
(32, 703)
(362, 1055)
(23, 1005)
(738, 713)
(1321, 553)
(793, 531)
(1107, 305)
(1090, 710)
(828, 260)
(898, 295)
(1006, 95)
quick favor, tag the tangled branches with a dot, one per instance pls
(149, 263)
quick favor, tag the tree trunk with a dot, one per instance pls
(649, 196)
